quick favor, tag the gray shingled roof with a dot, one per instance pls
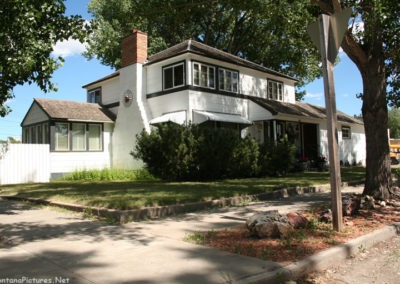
(301, 109)
(196, 47)
(69, 110)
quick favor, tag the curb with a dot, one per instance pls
(324, 259)
(124, 216)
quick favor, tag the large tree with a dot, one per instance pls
(29, 29)
(372, 43)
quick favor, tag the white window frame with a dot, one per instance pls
(228, 80)
(275, 90)
(203, 71)
(346, 132)
(173, 67)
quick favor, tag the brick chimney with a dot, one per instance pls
(134, 48)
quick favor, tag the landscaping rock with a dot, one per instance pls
(350, 206)
(297, 220)
(271, 224)
(368, 203)
(325, 216)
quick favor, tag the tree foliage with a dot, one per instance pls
(271, 33)
(394, 123)
(28, 31)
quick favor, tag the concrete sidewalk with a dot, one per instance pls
(47, 244)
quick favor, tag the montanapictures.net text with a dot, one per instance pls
(31, 280)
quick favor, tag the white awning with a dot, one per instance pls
(202, 116)
(178, 117)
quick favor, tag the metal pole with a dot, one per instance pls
(330, 102)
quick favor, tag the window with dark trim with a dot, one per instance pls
(346, 132)
(275, 90)
(174, 76)
(36, 134)
(228, 80)
(78, 136)
(94, 96)
(203, 75)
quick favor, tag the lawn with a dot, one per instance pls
(138, 194)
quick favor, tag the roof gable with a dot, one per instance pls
(77, 111)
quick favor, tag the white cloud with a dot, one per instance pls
(317, 96)
(69, 47)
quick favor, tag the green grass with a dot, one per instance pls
(137, 194)
(109, 175)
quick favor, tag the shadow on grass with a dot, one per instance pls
(138, 194)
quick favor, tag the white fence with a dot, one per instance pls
(24, 163)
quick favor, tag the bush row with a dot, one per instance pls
(192, 152)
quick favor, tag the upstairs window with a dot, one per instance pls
(228, 80)
(203, 75)
(94, 96)
(173, 76)
(346, 132)
(275, 90)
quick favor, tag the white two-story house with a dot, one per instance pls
(188, 82)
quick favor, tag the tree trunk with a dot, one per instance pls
(378, 179)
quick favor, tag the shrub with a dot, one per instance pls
(174, 152)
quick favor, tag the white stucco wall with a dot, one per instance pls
(133, 117)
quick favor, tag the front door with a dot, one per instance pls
(310, 140)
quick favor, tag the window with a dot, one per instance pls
(78, 133)
(46, 133)
(61, 137)
(173, 76)
(77, 136)
(94, 96)
(346, 132)
(95, 141)
(228, 80)
(39, 134)
(26, 135)
(275, 90)
(203, 75)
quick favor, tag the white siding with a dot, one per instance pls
(168, 103)
(257, 112)
(35, 115)
(217, 103)
(24, 163)
(350, 150)
(110, 91)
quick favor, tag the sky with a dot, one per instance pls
(78, 71)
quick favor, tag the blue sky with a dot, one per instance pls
(77, 71)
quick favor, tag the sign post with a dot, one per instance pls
(327, 34)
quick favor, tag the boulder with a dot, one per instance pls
(297, 220)
(271, 224)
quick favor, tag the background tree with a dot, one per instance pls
(271, 33)
(394, 122)
(28, 31)
(372, 43)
